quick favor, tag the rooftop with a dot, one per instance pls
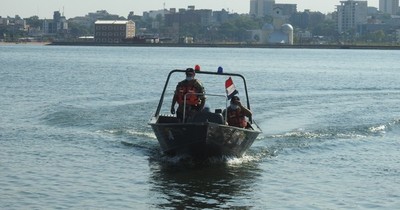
(117, 22)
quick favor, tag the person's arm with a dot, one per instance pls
(174, 100)
(245, 110)
(202, 97)
(173, 105)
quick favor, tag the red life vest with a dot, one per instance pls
(236, 118)
(191, 98)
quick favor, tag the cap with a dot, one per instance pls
(235, 98)
(190, 71)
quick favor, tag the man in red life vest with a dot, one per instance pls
(194, 91)
(237, 113)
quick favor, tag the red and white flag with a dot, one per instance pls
(230, 88)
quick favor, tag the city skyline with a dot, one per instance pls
(73, 8)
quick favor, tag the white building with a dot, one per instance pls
(389, 6)
(269, 34)
(278, 31)
(351, 14)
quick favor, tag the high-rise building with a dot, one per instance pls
(287, 9)
(389, 6)
(58, 25)
(351, 14)
(261, 8)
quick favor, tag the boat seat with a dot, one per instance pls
(208, 117)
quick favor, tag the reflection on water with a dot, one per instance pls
(212, 184)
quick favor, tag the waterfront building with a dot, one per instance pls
(16, 23)
(306, 19)
(202, 17)
(272, 34)
(177, 22)
(219, 17)
(389, 6)
(101, 15)
(154, 14)
(4, 21)
(351, 14)
(287, 9)
(9, 26)
(58, 25)
(278, 31)
(261, 8)
(114, 31)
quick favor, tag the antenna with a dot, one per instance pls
(63, 11)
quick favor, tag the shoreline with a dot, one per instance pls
(295, 46)
(25, 43)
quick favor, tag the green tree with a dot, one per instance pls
(34, 22)
(191, 29)
(235, 29)
(377, 36)
(325, 28)
(77, 30)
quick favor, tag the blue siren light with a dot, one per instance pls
(220, 69)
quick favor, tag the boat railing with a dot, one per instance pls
(206, 73)
(200, 72)
(202, 94)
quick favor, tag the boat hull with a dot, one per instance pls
(203, 139)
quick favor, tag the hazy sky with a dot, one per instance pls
(73, 8)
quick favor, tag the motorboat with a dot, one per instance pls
(206, 133)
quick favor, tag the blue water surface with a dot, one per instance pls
(74, 133)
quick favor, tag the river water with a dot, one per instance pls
(74, 133)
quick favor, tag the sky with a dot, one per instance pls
(73, 8)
